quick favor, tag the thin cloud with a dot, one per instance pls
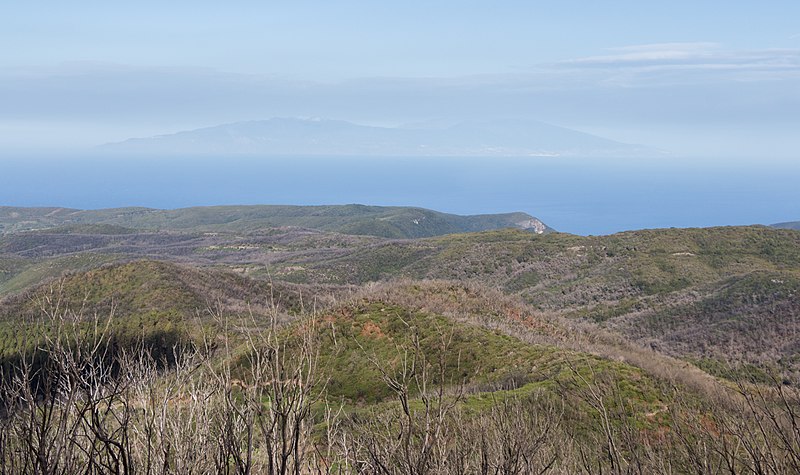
(648, 52)
(689, 46)
(684, 63)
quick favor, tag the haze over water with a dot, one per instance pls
(583, 196)
(718, 81)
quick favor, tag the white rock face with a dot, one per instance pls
(533, 224)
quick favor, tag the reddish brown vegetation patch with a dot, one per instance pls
(371, 330)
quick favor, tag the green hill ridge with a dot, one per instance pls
(390, 222)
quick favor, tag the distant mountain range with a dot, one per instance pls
(382, 221)
(288, 136)
(788, 225)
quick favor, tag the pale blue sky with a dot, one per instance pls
(322, 40)
(702, 77)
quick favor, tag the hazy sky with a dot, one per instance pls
(705, 78)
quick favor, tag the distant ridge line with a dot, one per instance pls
(322, 137)
(381, 221)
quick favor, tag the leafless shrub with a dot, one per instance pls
(429, 430)
(252, 400)
(81, 404)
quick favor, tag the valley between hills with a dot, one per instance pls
(363, 339)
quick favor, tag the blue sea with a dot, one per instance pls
(582, 196)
